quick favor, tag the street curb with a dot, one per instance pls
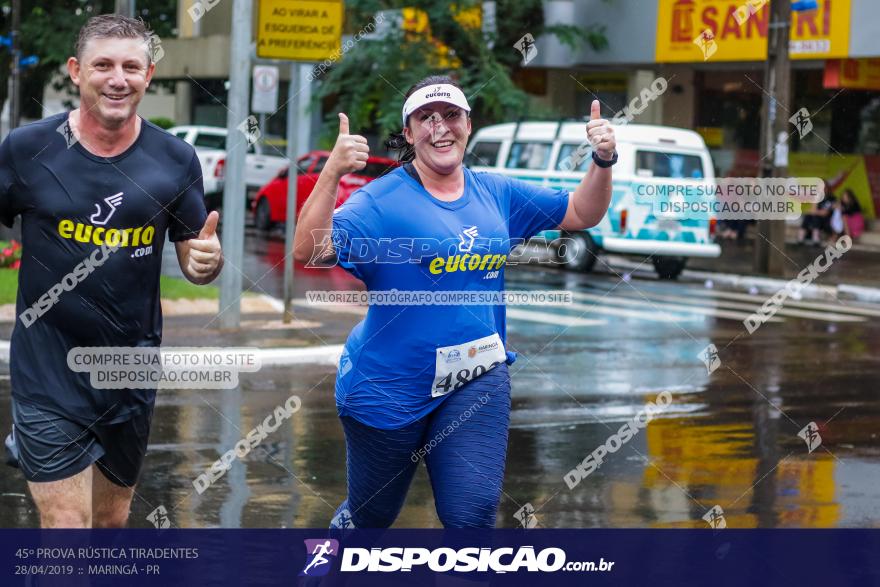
(273, 301)
(752, 284)
(763, 285)
(272, 357)
(858, 293)
(759, 285)
(767, 285)
(314, 355)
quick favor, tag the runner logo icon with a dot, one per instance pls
(319, 554)
(112, 203)
(467, 244)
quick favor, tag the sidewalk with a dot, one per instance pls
(314, 337)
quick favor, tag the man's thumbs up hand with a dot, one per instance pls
(203, 254)
(600, 133)
(350, 151)
(210, 227)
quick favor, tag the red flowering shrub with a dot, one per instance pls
(10, 254)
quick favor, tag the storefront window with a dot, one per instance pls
(729, 111)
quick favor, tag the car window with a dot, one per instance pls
(570, 159)
(320, 164)
(303, 164)
(181, 134)
(672, 165)
(483, 153)
(529, 156)
(210, 141)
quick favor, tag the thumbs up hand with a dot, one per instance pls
(350, 151)
(203, 254)
(210, 228)
(600, 133)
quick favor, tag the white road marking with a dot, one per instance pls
(549, 318)
(843, 308)
(756, 304)
(651, 316)
(705, 311)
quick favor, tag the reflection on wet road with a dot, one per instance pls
(729, 438)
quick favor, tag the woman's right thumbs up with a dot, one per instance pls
(350, 151)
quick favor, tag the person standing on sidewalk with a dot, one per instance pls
(431, 381)
(97, 188)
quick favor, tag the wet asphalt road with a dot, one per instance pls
(729, 438)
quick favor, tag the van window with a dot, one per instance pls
(210, 141)
(568, 158)
(672, 165)
(529, 156)
(484, 153)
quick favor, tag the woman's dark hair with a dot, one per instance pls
(852, 206)
(396, 140)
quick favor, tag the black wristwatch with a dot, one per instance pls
(604, 163)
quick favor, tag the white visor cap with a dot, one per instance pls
(437, 93)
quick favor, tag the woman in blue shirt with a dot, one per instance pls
(424, 376)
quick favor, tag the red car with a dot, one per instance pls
(270, 203)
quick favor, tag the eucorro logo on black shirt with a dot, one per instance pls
(134, 236)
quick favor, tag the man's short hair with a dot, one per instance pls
(107, 26)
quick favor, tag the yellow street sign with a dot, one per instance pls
(299, 30)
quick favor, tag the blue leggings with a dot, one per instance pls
(464, 444)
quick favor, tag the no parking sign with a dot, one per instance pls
(265, 94)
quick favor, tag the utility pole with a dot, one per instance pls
(770, 241)
(292, 178)
(236, 148)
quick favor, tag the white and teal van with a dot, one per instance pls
(547, 153)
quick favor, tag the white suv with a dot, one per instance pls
(210, 145)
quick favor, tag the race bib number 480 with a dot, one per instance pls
(458, 364)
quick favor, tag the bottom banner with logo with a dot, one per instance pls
(461, 557)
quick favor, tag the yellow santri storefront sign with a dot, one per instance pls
(738, 29)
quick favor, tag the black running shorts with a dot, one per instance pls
(51, 447)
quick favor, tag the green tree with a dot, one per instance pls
(368, 83)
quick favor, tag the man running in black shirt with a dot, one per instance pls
(97, 189)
